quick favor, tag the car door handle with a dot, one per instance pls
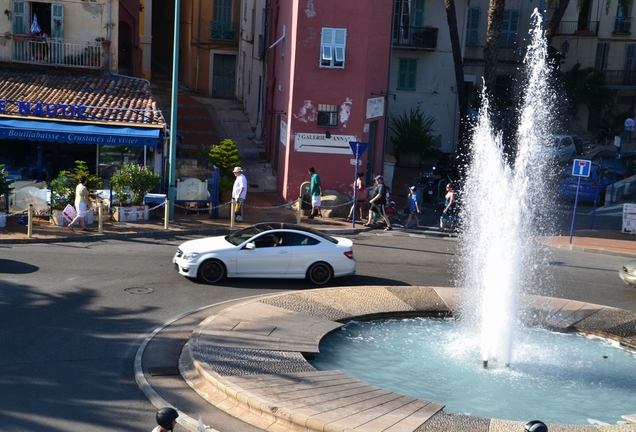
(282, 252)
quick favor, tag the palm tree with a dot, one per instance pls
(495, 18)
(451, 18)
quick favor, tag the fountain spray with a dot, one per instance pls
(504, 205)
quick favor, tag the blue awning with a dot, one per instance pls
(34, 130)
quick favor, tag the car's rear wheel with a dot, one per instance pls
(211, 271)
(319, 273)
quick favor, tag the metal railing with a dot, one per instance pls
(224, 30)
(577, 28)
(53, 51)
(415, 37)
(619, 77)
(623, 25)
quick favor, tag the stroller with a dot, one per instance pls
(393, 214)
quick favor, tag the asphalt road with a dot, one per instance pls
(72, 315)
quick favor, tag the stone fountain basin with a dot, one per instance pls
(250, 359)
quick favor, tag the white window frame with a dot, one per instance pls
(333, 42)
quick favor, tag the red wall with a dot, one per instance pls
(367, 54)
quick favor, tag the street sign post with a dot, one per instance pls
(357, 148)
(580, 168)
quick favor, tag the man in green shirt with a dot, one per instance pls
(315, 190)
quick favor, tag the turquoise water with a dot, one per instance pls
(553, 377)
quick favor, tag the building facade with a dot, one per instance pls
(326, 87)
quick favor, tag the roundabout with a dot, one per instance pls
(247, 358)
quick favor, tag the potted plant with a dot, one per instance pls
(412, 137)
(130, 185)
(63, 191)
(5, 190)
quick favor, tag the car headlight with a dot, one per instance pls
(190, 256)
(631, 272)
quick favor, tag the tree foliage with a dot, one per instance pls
(225, 155)
(586, 86)
(132, 182)
(413, 133)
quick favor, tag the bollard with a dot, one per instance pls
(100, 217)
(233, 204)
(166, 215)
(300, 203)
(30, 222)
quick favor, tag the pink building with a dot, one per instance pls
(327, 78)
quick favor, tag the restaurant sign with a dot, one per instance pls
(41, 109)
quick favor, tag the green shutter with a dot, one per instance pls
(418, 14)
(412, 73)
(472, 31)
(57, 20)
(18, 17)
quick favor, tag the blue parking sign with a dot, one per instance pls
(581, 168)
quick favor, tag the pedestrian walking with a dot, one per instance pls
(239, 193)
(361, 195)
(629, 129)
(413, 207)
(377, 203)
(315, 190)
(81, 204)
(166, 419)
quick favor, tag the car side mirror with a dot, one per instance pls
(250, 246)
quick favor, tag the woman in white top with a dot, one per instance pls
(81, 204)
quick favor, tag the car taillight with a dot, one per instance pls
(349, 254)
(594, 184)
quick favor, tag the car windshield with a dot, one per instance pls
(245, 234)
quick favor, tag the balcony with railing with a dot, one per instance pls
(619, 77)
(53, 52)
(223, 30)
(577, 28)
(415, 37)
(623, 25)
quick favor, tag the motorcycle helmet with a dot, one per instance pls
(165, 417)
(392, 203)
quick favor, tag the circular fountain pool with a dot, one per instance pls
(557, 377)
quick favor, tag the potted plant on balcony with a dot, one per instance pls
(5, 190)
(63, 191)
(130, 185)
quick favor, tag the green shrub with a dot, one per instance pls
(413, 133)
(132, 182)
(63, 186)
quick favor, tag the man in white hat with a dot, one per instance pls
(239, 192)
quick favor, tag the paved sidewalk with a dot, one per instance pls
(265, 206)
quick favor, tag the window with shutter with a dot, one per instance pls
(407, 73)
(509, 29)
(332, 48)
(472, 30)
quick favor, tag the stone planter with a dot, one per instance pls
(3, 219)
(131, 214)
(57, 218)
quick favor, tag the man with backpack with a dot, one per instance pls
(377, 202)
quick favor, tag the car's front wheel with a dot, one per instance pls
(319, 273)
(211, 271)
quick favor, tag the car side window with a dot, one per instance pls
(270, 240)
(298, 239)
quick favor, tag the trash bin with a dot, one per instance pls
(306, 196)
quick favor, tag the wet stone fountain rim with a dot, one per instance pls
(249, 359)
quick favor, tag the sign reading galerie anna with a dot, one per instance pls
(319, 143)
